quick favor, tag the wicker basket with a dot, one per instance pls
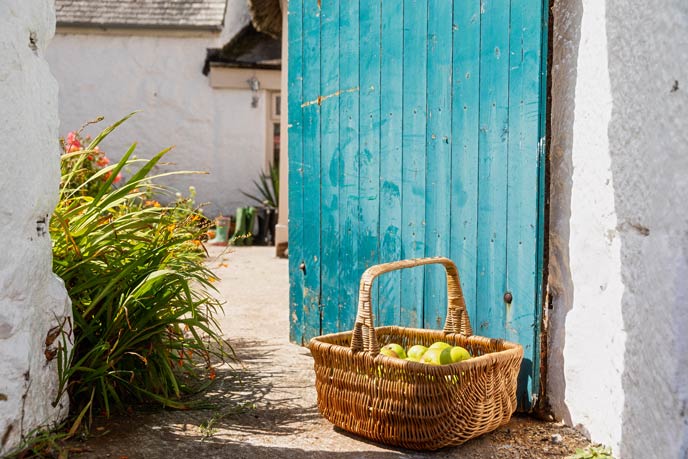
(410, 404)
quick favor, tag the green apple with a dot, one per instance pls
(439, 345)
(397, 349)
(416, 352)
(458, 354)
(436, 356)
(389, 353)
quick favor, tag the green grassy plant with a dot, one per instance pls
(593, 452)
(42, 443)
(142, 299)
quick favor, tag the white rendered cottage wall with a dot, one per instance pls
(587, 336)
(212, 130)
(618, 343)
(32, 299)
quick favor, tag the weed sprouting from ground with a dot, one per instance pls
(593, 452)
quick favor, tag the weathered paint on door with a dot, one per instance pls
(415, 129)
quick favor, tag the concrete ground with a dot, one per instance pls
(265, 406)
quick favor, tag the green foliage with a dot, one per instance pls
(41, 443)
(142, 299)
(267, 188)
(593, 452)
(79, 168)
(188, 203)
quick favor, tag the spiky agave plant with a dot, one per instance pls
(267, 188)
(142, 298)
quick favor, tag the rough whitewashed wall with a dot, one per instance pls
(619, 227)
(32, 299)
(648, 137)
(213, 130)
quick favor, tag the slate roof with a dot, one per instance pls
(247, 49)
(156, 14)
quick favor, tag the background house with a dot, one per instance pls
(205, 79)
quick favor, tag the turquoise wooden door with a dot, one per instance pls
(416, 129)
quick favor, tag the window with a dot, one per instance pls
(276, 143)
(272, 154)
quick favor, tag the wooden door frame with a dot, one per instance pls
(540, 406)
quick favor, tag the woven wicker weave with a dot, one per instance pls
(410, 404)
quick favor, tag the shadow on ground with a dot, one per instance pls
(264, 405)
(259, 396)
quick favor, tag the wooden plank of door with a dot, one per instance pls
(295, 139)
(390, 157)
(413, 167)
(493, 170)
(438, 159)
(311, 167)
(522, 315)
(369, 138)
(348, 166)
(465, 128)
(329, 165)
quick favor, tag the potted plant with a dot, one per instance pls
(267, 197)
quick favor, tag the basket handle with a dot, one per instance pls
(363, 337)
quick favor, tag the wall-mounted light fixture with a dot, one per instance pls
(254, 85)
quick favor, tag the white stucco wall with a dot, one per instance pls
(32, 298)
(619, 229)
(213, 130)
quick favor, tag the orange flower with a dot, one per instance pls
(118, 177)
(71, 137)
(72, 143)
(102, 161)
(212, 374)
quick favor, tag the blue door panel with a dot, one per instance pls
(416, 129)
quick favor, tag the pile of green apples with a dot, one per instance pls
(439, 353)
